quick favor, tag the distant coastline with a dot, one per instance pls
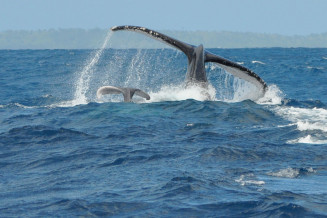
(93, 38)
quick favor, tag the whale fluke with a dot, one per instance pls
(184, 47)
(237, 70)
(128, 93)
(197, 57)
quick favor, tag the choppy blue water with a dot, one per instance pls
(63, 152)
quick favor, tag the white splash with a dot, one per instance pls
(82, 84)
(136, 70)
(273, 96)
(180, 92)
(245, 180)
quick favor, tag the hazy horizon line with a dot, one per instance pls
(80, 38)
(161, 30)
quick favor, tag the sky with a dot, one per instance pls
(285, 17)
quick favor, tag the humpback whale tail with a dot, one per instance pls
(128, 93)
(197, 57)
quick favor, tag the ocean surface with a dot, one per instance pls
(65, 153)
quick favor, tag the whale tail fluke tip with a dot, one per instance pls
(128, 93)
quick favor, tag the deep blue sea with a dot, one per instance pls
(65, 153)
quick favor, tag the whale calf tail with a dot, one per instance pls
(128, 93)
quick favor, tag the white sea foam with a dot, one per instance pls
(308, 140)
(249, 179)
(24, 106)
(286, 173)
(242, 90)
(235, 91)
(290, 172)
(169, 93)
(305, 118)
(257, 62)
(180, 92)
(307, 125)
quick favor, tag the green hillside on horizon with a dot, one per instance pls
(94, 38)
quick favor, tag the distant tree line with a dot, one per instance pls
(94, 38)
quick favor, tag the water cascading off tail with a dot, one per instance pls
(83, 82)
(141, 67)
